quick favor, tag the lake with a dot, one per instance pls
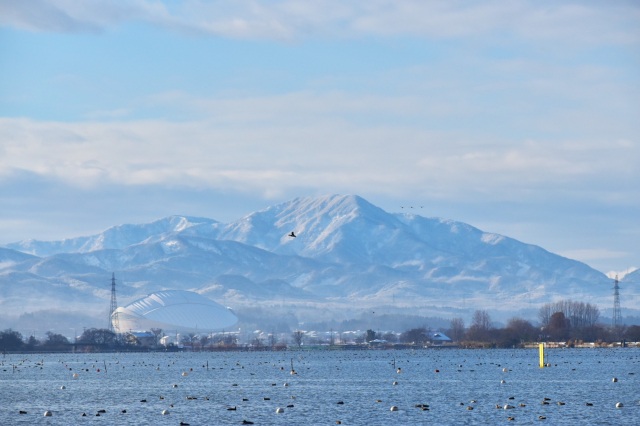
(456, 386)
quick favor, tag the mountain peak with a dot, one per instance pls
(114, 237)
(345, 249)
(334, 205)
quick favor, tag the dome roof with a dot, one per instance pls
(173, 310)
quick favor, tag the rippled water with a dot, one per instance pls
(448, 380)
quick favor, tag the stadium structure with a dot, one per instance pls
(179, 310)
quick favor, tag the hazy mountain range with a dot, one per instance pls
(348, 257)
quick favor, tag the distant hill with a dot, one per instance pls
(348, 257)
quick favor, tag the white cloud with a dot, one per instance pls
(311, 140)
(621, 274)
(292, 19)
(72, 15)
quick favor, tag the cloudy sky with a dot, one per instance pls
(519, 117)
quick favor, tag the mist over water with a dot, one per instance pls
(353, 387)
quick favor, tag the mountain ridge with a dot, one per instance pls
(348, 256)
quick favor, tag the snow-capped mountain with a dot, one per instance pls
(117, 237)
(633, 276)
(347, 255)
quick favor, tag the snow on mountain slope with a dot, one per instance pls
(347, 230)
(9, 258)
(117, 237)
(633, 277)
(347, 252)
(343, 229)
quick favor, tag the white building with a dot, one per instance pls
(177, 310)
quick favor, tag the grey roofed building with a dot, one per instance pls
(438, 337)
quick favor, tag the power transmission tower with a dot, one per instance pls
(113, 320)
(617, 315)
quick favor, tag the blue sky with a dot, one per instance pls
(517, 117)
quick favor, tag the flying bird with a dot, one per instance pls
(292, 234)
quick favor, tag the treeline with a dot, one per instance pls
(566, 316)
(12, 341)
(91, 339)
(562, 321)
(565, 320)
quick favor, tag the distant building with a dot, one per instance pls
(438, 338)
(145, 339)
(175, 310)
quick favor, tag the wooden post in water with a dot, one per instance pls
(541, 349)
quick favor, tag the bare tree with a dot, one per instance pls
(98, 336)
(297, 337)
(204, 340)
(457, 329)
(579, 314)
(522, 330)
(272, 339)
(544, 314)
(10, 340)
(480, 326)
(55, 340)
(481, 319)
(390, 337)
(633, 333)
(157, 333)
(257, 342)
(558, 327)
(417, 336)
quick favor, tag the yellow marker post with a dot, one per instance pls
(541, 347)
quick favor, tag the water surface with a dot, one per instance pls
(353, 387)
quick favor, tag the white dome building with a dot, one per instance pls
(182, 311)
